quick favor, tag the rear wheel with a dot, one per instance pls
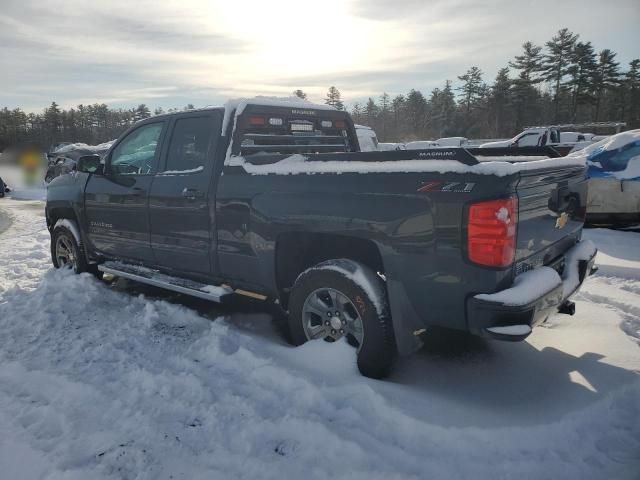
(345, 300)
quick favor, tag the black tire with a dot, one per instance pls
(79, 264)
(378, 350)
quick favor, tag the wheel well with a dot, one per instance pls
(55, 214)
(295, 252)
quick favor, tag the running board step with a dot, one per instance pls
(157, 279)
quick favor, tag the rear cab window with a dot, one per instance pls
(282, 130)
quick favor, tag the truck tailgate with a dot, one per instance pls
(551, 212)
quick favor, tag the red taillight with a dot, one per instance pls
(255, 120)
(339, 124)
(491, 232)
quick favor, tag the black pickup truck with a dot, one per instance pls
(274, 201)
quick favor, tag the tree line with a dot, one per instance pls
(91, 124)
(565, 80)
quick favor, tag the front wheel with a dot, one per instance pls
(67, 253)
(342, 299)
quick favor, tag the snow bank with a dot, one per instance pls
(299, 164)
(101, 383)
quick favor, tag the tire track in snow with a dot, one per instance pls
(625, 299)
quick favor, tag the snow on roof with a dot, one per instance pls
(610, 143)
(239, 104)
(83, 146)
(420, 144)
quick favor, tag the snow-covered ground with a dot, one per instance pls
(115, 380)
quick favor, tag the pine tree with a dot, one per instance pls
(556, 63)
(397, 115)
(500, 100)
(158, 111)
(607, 77)
(371, 111)
(471, 88)
(383, 115)
(415, 112)
(447, 108)
(333, 98)
(357, 113)
(631, 87)
(141, 112)
(582, 71)
(529, 63)
(300, 94)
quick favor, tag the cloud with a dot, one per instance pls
(201, 51)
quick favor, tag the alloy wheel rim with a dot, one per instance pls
(328, 314)
(64, 253)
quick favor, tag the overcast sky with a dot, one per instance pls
(173, 52)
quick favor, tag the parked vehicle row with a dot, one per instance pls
(369, 247)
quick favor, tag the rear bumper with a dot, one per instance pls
(535, 295)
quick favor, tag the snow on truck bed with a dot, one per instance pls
(300, 164)
(102, 381)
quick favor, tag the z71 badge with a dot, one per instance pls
(463, 187)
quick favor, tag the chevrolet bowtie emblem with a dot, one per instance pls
(562, 220)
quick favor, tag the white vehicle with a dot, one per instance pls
(421, 145)
(366, 138)
(532, 137)
(387, 147)
(576, 137)
(563, 142)
(614, 179)
(453, 142)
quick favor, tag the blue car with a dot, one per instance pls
(614, 180)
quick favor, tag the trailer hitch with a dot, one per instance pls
(568, 308)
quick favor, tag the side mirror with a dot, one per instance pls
(90, 164)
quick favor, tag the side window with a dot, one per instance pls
(528, 140)
(620, 160)
(189, 145)
(136, 154)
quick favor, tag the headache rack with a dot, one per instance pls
(273, 130)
